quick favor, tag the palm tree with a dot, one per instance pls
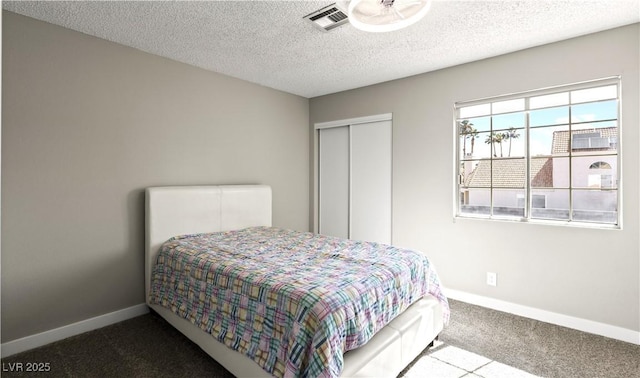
(511, 134)
(499, 137)
(466, 130)
(491, 140)
(473, 134)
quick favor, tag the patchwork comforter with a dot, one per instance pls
(293, 302)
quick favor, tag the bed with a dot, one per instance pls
(172, 212)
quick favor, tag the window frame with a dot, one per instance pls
(461, 190)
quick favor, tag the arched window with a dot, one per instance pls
(600, 165)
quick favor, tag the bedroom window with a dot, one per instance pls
(550, 155)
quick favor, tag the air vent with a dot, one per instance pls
(327, 18)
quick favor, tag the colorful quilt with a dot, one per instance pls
(293, 302)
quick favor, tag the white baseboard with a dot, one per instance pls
(579, 324)
(47, 337)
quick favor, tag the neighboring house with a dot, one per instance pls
(590, 171)
(594, 166)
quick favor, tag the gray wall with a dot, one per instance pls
(86, 126)
(586, 273)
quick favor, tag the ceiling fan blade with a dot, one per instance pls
(398, 13)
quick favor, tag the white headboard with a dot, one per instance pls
(179, 210)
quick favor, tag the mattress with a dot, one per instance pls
(293, 302)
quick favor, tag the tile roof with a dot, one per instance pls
(511, 173)
(542, 173)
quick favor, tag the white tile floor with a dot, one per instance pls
(452, 362)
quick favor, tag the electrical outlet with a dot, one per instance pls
(492, 279)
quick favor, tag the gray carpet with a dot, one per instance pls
(539, 348)
(147, 346)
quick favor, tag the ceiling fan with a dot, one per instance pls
(370, 15)
(386, 15)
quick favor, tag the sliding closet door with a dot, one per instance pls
(334, 181)
(355, 178)
(370, 214)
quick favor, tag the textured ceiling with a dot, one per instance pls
(269, 43)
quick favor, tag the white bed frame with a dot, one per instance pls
(179, 210)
